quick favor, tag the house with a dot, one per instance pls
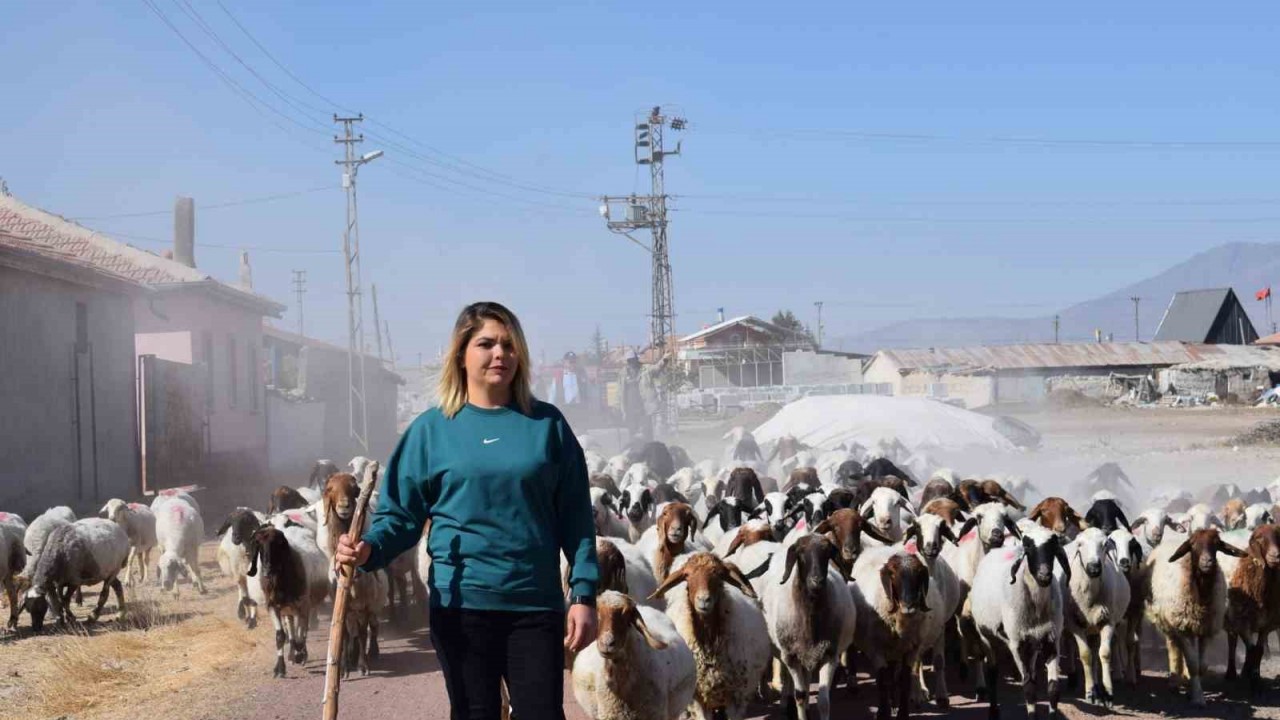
(308, 406)
(741, 352)
(1206, 316)
(201, 415)
(989, 375)
(66, 349)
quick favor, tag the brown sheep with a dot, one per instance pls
(1055, 514)
(1253, 601)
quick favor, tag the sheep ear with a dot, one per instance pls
(1012, 527)
(791, 565)
(1036, 512)
(1183, 549)
(253, 563)
(672, 580)
(823, 528)
(968, 526)
(1013, 572)
(1109, 547)
(906, 505)
(886, 582)
(1142, 520)
(1010, 500)
(1063, 561)
(1231, 550)
(654, 642)
(764, 568)
(738, 580)
(947, 535)
(226, 525)
(733, 546)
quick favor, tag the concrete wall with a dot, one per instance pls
(234, 426)
(811, 368)
(324, 378)
(38, 444)
(296, 430)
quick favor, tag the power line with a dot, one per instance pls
(255, 248)
(213, 206)
(1011, 140)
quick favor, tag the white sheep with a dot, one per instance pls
(233, 557)
(1017, 603)
(86, 552)
(811, 619)
(1201, 516)
(925, 538)
(166, 495)
(1130, 553)
(1188, 601)
(139, 524)
(884, 510)
(637, 507)
(1096, 596)
(1151, 524)
(13, 559)
(1257, 515)
(604, 510)
(714, 609)
(179, 531)
(638, 668)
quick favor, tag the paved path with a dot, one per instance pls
(407, 684)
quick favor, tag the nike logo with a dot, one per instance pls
(490, 441)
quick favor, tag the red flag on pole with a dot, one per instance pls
(1263, 294)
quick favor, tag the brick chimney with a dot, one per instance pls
(184, 231)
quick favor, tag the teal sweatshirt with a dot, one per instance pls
(506, 493)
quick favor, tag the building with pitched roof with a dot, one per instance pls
(198, 341)
(1206, 316)
(66, 349)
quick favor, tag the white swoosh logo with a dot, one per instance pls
(490, 441)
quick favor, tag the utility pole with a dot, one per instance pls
(357, 410)
(1136, 336)
(377, 324)
(1057, 324)
(300, 287)
(649, 212)
(391, 351)
(818, 305)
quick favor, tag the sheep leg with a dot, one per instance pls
(1175, 662)
(1025, 656)
(971, 645)
(941, 695)
(192, 567)
(903, 672)
(242, 591)
(1105, 642)
(826, 676)
(280, 639)
(374, 652)
(1231, 656)
(1193, 658)
(1053, 672)
(362, 639)
(992, 678)
(884, 682)
(1086, 659)
(799, 688)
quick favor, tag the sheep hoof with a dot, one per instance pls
(251, 623)
(979, 694)
(942, 702)
(279, 670)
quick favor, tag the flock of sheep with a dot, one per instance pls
(721, 586)
(280, 560)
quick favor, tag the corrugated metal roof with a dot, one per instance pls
(57, 234)
(750, 321)
(1191, 315)
(1071, 355)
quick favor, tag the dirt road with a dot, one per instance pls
(408, 684)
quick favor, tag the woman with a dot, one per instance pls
(503, 481)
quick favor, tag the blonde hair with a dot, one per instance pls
(453, 377)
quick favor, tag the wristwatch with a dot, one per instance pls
(588, 600)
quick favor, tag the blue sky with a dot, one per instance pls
(856, 155)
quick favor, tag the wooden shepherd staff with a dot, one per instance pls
(337, 624)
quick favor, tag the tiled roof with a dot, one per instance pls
(53, 233)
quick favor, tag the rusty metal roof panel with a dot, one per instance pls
(1049, 355)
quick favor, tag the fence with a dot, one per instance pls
(716, 400)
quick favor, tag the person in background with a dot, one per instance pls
(503, 481)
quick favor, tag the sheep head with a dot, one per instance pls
(617, 615)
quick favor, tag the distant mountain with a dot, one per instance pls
(1246, 267)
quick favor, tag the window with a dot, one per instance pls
(254, 374)
(207, 341)
(82, 327)
(232, 366)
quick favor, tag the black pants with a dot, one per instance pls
(479, 648)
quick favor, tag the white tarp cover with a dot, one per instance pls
(919, 423)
